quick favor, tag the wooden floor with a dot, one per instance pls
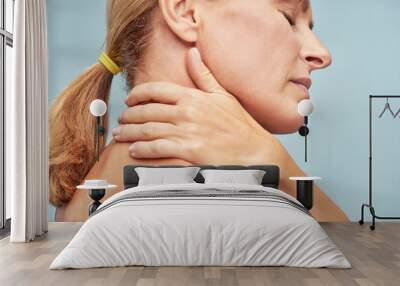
(375, 257)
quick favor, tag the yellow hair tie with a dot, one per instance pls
(109, 64)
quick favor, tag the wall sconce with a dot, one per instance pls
(305, 108)
(98, 108)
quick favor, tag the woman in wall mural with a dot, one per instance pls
(210, 81)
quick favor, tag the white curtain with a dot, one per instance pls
(26, 130)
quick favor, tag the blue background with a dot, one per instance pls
(364, 39)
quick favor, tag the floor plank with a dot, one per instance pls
(374, 255)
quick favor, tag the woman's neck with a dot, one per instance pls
(165, 58)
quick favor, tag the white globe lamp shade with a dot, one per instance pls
(98, 107)
(305, 107)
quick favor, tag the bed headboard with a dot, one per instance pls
(270, 179)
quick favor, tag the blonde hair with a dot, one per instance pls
(71, 126)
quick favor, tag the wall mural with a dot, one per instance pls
(209, 84)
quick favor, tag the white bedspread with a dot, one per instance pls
(200, 231)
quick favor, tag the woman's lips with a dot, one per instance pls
(303, 81)
(304, 84)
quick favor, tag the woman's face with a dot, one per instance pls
(263, 52)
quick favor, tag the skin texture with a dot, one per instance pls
(247, 89)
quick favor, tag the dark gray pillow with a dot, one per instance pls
(248, 177)
(162, 176)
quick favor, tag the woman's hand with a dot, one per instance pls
(202, 126)
(206, 126)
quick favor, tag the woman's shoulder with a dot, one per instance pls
(113, 158)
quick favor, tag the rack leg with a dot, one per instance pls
(374, 216)
(361, 221)
(372, 210)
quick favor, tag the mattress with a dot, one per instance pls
(201, 225)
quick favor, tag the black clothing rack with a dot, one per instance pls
(370, 205)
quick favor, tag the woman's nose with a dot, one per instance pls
(315, 54)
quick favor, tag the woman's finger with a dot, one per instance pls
(161, 148)
(162, 92)
(144, 132)
(151, 112)
(201, 74)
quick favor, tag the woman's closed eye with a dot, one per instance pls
(288, 18)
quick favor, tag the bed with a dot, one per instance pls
(201, 223)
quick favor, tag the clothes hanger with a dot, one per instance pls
(397, 113)
(387, 107)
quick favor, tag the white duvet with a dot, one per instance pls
(200, 231)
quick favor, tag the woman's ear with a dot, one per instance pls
(181, 17)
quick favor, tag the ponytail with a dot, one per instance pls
(71, 129)
(71, 125)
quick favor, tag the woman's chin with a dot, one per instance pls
(284, 131)
(285, 126)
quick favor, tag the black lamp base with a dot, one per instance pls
(305, 193)
(96, 195)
